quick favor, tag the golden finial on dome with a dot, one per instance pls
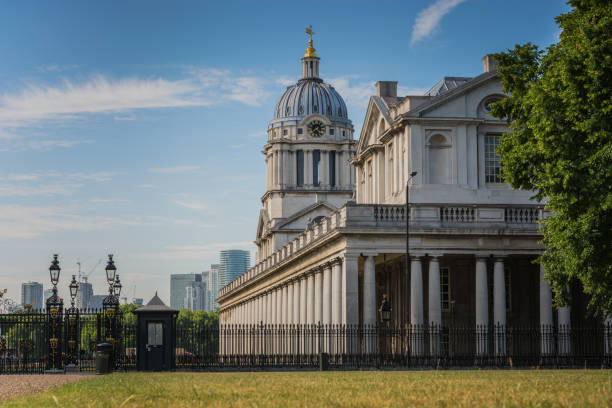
(310, 51)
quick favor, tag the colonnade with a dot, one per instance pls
(312, 297)
(328, 295)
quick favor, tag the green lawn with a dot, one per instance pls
(338, 389)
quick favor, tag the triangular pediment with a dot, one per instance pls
(300, 220)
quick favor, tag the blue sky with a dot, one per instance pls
(135, 127)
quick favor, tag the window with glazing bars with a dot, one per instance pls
(299, 163)
(445, 288)
(332, 168)
(316, 162)
(492, 159)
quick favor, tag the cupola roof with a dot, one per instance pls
(310, 95)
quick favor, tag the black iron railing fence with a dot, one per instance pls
(202, 346)
(350, 347)
(25, 346)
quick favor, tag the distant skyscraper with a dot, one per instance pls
(84, 294)
(95, 302)
(178, 283)
(214, 286)
(195, 296)
(32, 294)
(234, 262)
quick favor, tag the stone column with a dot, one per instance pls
(274, 307)
(350, 289)
(327, 295)
(303, 300)
(290, 286)
(369, 304)
(546, 317)
(310, 299)
(336, 283)
(296, 301)
(499, 310)
(482, 306)
(318, 295)
(268, 303)
(608, 335)
(284, 307)
(279, 305)
(369, 291)
(565, 330)
(416, 291)
(435, 305)
(416, 306)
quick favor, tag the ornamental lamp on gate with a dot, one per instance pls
(117, 287)
(74, 288)
(111, 270)
(54, 270)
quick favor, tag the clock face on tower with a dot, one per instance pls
(316, 128)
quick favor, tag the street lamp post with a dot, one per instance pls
(414, 173)
(110, 306)
(72, 315)
(55, 306)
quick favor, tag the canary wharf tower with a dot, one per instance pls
(310, 142)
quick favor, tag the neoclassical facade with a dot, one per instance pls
(472, 239)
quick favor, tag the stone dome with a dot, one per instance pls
(311, 96)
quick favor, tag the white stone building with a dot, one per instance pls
(472, 238)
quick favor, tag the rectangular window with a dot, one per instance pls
(445, 289)
(331, 131)
(285, 132)
(300, 167)
(316, 162)
(299, 131)
(332, 168)
(155, 334)
(492, 160)
(344, 133)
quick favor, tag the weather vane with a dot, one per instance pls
(309, 31)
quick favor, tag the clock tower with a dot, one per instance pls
(310, 143)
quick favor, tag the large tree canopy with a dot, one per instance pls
(560, 145)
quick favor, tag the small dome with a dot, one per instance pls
(312, 96)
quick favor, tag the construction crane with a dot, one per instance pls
(83, 278)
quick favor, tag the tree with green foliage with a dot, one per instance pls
(560, 145)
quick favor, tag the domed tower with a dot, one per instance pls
(310, 142)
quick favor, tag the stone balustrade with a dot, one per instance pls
(354, 216)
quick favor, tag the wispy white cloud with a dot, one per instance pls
(428, 19)
(48, 184)
(174, 169)
(223, 85)
(355, 93)
(108, 200)
(24, 222)
(99, 95)
(192, 205)
(196, 251)
(30, 222)
(49, 144)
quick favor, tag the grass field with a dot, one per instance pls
(338, 389)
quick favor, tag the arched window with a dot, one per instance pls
(439, 160)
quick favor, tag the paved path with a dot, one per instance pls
(15, 385)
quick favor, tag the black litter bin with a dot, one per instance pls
(323, 361)
(104, 352)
